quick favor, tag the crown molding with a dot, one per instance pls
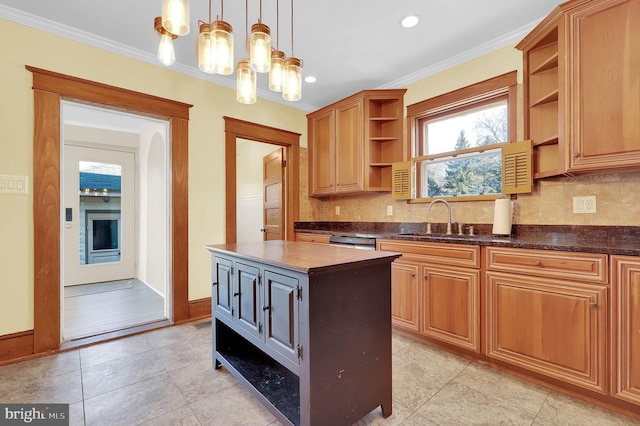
(505, 40)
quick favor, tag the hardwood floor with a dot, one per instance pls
(92, 309)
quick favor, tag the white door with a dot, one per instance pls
(98, 215)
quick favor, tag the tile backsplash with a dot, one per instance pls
(550, 203)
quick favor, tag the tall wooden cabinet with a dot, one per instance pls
(353, 142)
(581, 86)
(625, 321)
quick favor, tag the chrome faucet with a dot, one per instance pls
(448, 209)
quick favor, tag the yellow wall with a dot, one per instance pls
(25, 46)
(549, 203)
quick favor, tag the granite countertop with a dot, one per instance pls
(613, 240)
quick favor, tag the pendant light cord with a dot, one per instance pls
(292, 55)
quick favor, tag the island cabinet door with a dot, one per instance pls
(222, 290)
(248, 307)
(281, 315)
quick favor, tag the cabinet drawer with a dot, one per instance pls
(588, 267)
(448, 254)
(313, 238)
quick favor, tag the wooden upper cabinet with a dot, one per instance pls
(353, 143)
(581, 72)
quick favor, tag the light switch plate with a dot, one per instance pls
(14, 184)
(584, 204)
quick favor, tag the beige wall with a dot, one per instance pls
(617, 195)
(206, 150)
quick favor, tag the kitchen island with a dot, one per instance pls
(305, 327)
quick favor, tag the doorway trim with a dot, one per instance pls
(49, 88)
(235, 128)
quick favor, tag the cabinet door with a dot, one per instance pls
(222, 291)
(281, 308)
(349, 147)
(604, 88)
(405, 298)
(322, 153)
(450, 303)
(626, 328)
(552, 327)
(248, 301)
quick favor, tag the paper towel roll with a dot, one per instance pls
(502, 216)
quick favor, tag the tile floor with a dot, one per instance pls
(165, 377)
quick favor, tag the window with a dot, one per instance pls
(457, 139)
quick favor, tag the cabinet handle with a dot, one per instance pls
(537, 263)
(413, 275)
(214, 284)
(265, 308)
(576, 155)
(593, 305)
(236, 294)
(426, 277)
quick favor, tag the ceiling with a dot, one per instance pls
(348, 45)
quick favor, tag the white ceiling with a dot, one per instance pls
(348, 45)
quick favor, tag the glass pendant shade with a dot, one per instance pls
(292, 89)
(276, 73)
(205, 49)
(175, 16)
(222, 47)
(166, 53)
(245, 83)
(260, 48)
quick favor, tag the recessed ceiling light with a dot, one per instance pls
(410, 21)
(310, 79)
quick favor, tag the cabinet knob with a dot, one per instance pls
(265, 308)
(263, 230)
(538, 263)
(426, 276)
(593, 305)
(413, 275)
(576, 155)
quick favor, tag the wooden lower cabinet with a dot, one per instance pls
(625, 295)
(450, 305)
(405, 295)
(435, 291)
(312, 238)
(556, 328)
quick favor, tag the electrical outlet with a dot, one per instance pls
(389, 210)
(337, 210)
(584, 204)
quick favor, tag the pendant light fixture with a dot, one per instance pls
(166, 53)
(246, 81)
(175, 16)
(292, 89)
(215, 50)
(277, 59)
(260, 46)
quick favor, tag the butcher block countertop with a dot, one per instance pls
(301, 256)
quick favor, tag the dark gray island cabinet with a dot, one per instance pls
(305, 327)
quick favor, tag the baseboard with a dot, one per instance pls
(200, 308)
(16, 345)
